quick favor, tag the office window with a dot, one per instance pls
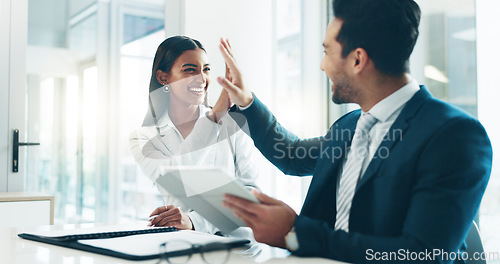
(61, 94)
(299, 89)
(141, 35)
(289, 85)
(80, 112)
(88, 174)
(449, 45)
(289, 62)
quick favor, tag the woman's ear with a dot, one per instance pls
(162, 77)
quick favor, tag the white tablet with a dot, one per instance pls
(203, 189)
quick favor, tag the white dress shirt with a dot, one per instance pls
(208, 144)
(386, 112)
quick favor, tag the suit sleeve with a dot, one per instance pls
(451, 175)
(292, 155)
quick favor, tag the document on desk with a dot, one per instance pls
(145, 245)
(137, 244)
(203, 189)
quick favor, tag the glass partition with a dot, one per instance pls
(61, 95)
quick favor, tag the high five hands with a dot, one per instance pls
(270, 219)
(234, 85)
(234, 91)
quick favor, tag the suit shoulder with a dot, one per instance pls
(350, 116)
(436, 116)
(440, 111)
(346, 120)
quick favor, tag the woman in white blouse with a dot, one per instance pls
(181, 130)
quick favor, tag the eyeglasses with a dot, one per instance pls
(180, 252)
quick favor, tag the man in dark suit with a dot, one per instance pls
(400, 179)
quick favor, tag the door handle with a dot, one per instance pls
(15, 150)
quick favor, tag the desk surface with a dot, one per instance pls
(15, 250)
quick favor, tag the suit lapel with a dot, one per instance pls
(395, 134)
(324, 180)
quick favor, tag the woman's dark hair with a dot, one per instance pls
(166, 54)
(386, 29)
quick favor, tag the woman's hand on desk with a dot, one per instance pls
(170, 215)
(234, 86)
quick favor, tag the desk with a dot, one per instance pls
(15, 250)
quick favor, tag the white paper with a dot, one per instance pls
(149, 244)
(72, 230)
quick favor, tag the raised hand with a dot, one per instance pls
(224, 102)
(234, 86)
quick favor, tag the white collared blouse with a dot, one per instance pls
(222, 144)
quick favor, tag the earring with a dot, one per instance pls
(166, 87)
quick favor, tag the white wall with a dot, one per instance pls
(247, 24)
(13, 30)
(488, 59)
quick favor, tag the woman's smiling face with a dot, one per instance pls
(189, 77)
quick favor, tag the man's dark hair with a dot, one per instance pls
(166, 54)
(386, 29)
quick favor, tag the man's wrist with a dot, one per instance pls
(291, 241)
(241, 108)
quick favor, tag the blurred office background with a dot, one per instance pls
(88, 66)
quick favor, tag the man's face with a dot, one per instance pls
(334, 65)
